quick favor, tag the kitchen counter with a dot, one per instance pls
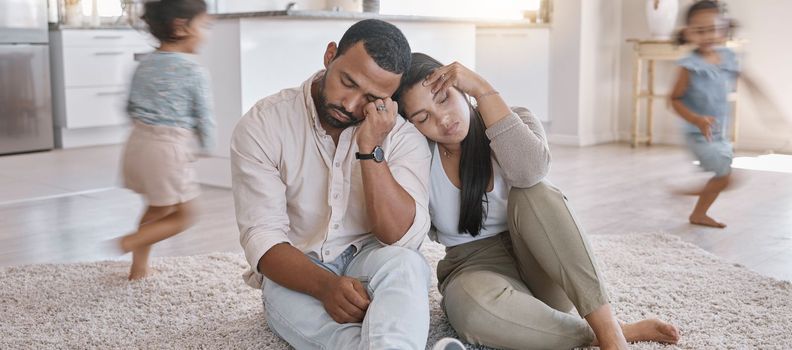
(61, 26)
(335, 15)
(342, 15)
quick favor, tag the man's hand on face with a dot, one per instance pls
(380, 118)
(345, 299)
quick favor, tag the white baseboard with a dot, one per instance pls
(563, 140)
(581, 141)
(84, 137)
(596, 139)
(774, 145)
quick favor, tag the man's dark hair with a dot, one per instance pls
(383, 42)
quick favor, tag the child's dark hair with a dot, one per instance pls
(160, 14)
(701, 5)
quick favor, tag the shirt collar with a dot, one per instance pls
(309, 102)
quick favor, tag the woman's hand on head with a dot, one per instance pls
(459, 76)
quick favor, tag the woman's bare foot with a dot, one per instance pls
(705, 220)
(650, 329)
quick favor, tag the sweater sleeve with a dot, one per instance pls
(520, 146)
(203, 109)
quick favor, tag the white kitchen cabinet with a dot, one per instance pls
(91, 71)
(94, 107)
(516, 61)
(87, 66)
(102, 38)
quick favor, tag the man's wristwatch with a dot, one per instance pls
(377, 154)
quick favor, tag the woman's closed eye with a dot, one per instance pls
(422, 118)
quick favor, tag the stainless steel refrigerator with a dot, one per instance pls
(25, 96)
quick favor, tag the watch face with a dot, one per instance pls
(379, 154)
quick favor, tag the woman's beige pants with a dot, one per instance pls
(516, 290)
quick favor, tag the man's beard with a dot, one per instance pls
(323, 109)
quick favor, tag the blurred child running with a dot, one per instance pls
(169, 104)
(700, 97)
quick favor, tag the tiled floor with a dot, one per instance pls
(35, 175)
(59, 206)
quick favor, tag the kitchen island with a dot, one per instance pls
(253, 55)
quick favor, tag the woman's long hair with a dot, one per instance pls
(475, 166)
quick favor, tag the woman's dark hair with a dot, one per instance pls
(702, 5)
(475, 166)
(160, 14)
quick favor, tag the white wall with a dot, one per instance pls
(516, 61)
(765, 25)
(584, 63)
(565, 36)
(599, 68)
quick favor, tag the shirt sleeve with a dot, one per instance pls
(202, 109)
(520, 147)
(409, 159)
(689, 62)
(258, 190)
(730, 61)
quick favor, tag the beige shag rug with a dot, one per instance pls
(201, 301)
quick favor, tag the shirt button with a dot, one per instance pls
(335, 227)
(338, 164)
(327, 252)
(335, 195)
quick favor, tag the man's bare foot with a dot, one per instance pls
(705, 220)
(650, 329)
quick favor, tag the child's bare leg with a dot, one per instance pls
(708, 195)
(736, 179)
(179, 219)
(140, 268)
(154, 213)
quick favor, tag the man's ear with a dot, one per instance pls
(330, 53)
